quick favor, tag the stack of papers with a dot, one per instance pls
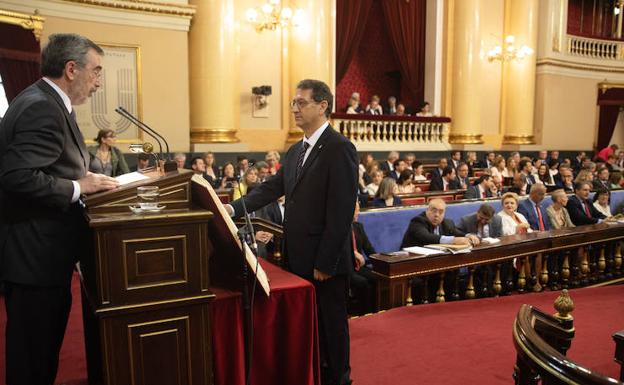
(423, 250)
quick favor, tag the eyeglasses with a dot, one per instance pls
(301, 103)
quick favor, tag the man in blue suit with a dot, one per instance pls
(533, 210)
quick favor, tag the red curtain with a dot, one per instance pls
(351, 18)
(609, 101)
(20, 59)
(406, 22)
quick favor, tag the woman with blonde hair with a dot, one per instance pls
(513, 221)
(249, 177)
(386, 194)
(272, 158)
(584, 176)
(557, 212)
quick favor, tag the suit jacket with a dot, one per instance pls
(362, 243)
(466, 182)
(578, 214)
(420, 231)
(526, 208)
(473, 192)
(437, 184)
(319, 205)
(600, 185)
(468, 224)
(273, 213)
(550, 211)
(41, 152)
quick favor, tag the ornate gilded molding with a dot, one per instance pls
(142, 6)
(564, 305)
(465, 139)
(31, 22)
(210, 135)
(604, 86)
(579, 66)
(518, 139)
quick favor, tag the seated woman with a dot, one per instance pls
(511, 166)
(404, 183)
(419, 172)
(272, 158)
(353, 107)
(602, 201)
(553, 167)
(212, 171)
(584, 176)
(228, 179)
(499, 168)
(105, 157)
(472, 162)
(425, 110)
(376, 177)
(513, 221)
(557, 212)
(249, 177)
(544, 176)
(386, 194)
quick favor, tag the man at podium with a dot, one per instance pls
(319, 179)
(43, 172)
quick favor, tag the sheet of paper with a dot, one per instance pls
(130, 177)
(423, 250)
(490, 240)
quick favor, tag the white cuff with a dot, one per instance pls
(76, 194)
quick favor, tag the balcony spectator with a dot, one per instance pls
(373, 186)
(401, 110)
(356, 97)
(391, 108)
(557, 212)
(425, 110)
(605, 152)
(374, 108)
(419, 172)
(602, 201)
(272, 158)
(105, 157)
(354, 106)
(386, 194)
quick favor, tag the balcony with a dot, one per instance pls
(388, 132)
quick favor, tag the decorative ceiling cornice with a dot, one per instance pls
(183, 10)
(32, 22)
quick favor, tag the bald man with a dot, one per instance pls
(430, 227)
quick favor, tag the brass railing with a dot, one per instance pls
(379, 131)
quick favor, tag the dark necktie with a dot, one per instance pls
(300, 159)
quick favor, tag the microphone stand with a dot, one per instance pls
(244, 233)
(169, 164)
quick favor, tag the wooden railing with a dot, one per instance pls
(595, 48)
(388, 132)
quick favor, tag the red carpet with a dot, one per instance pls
(470, 342)
(467, 342)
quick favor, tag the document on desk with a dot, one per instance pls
(490, 241)
(423, 250)
(130, 177)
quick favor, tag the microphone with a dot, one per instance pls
(169, 164)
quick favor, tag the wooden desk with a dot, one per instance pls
(395, 272)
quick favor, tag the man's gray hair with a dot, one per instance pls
(64, 47)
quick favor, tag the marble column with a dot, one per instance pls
(213, 72)
(518, 95)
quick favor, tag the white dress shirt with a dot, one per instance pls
(313, 139)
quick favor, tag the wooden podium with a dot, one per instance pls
(146, 297)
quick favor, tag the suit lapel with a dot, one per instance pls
(71, 121)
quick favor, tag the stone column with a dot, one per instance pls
(213, 73)
(310, 52)
(518, 95)
(466, 106)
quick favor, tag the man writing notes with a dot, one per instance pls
(43, 172)
(319, 177)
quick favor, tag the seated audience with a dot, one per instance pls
(553, 166)
(425, 110)
(386, 194)
(263, 171)
(212, 171)
(602, 180)
(516, 157)
(391, 108)
(471, 161)
(455, 159)
(542, 157)
(483, 223)
(519, 185)
(605, 152)
(585, 176)
(463, 181)
(481, 189)
(198, 166)
(180, 159)
(430, 227)
(242, 165)
(544, 176)
(616, 180)
(610, 165)
(524, 167)
(602, 199)
(513, 222)
(409, 158)
(353, 107)
(581, 210)
(362, 279)
(228, 176)
(557, 212)
(388, 165)
(249, 177)
(373, 186)
(511, 165)
(533, 210)
(401, 110)
(272, 158)
(404, 183)
(496, 187)
(107, 159)
(437, 172)
(142, 162)
(446, 182)
(488, 162)
(419, 172)
(577, 161)
(566, 179)
(619, 162)
(374, 108)
(399, 166)
(499, 168)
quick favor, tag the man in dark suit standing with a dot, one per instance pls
(43, 172)
(319, 177)
(533, 210)
(581, 210)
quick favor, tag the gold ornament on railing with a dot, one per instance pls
(564, 305)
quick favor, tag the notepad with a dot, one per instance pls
(423, 250)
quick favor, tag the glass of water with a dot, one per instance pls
(147, 197)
